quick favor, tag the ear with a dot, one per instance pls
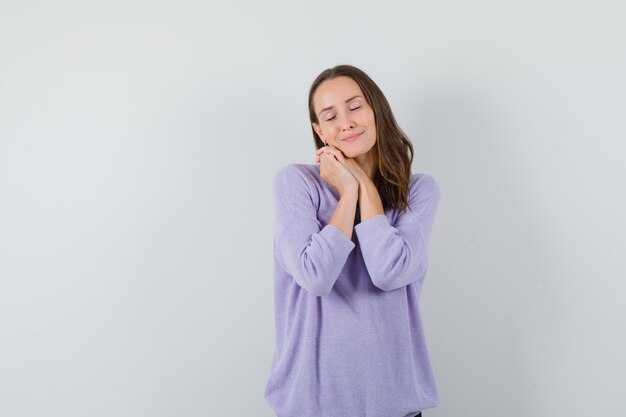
(318, 131)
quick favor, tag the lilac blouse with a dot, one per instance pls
(349, 335)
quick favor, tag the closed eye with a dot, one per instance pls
(354, 108)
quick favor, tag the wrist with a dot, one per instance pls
(351, 193)
(366, 185)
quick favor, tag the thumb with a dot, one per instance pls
(341, 158)
(333, 159)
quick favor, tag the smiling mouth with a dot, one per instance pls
(352, 138)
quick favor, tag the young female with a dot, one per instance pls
(351, 255)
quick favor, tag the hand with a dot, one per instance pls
(336, 174)
(350, 163)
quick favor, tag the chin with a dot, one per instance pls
(353, 152)
(350, 153)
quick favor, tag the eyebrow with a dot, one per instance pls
(330, 107)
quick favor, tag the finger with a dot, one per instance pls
(337, 154)
(328, 157)
(329, 154)
(340, 156)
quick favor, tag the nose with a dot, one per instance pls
(347, 123)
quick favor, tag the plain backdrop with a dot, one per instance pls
(138, 142)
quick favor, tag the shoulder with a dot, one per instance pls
(296, 174)
(297, 189)
(300, 170)
(424, 186)
(298, 184)
(423, 180)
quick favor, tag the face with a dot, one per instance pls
(345, 120)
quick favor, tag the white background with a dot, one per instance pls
(138, 142)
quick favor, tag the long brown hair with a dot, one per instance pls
(395, 152)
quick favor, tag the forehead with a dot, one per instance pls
(335, 92)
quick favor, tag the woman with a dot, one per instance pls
(350, 250)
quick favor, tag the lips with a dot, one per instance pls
(352, 138)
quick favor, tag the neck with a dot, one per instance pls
(368, 162)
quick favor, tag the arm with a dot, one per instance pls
(313, 255)
(343, 217)
(397, 255)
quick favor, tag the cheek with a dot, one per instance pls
(330, 129)
(370, 119)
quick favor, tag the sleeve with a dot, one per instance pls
(397, 255)
(313, 255)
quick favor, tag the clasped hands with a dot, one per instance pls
(349, 163)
